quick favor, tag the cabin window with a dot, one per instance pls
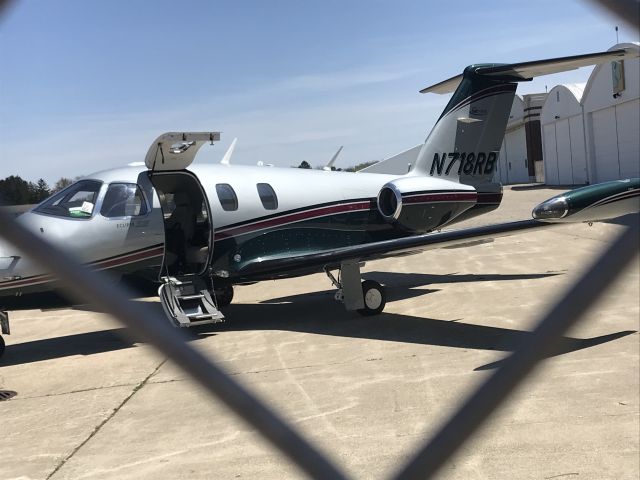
(227, 196)
(75, 201)
(123, 200)
(267, 196)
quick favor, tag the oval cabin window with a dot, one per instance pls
(227, 196)
(267, 196)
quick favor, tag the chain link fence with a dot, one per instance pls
(92, 287)
(142, 321)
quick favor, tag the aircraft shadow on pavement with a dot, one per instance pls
(314, 313)
(401, 286)
(87, 343)
(318, 318)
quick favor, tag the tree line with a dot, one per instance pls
(16, 191)
(355, 168)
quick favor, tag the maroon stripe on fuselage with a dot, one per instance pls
(439, 197)
(489, 198)
(129, 258)
(287, 218)
(349, 206)
(23, 282)
(111, 262)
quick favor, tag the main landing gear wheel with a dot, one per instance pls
(374, 298)
(224, 296)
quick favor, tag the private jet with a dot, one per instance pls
(199, 229)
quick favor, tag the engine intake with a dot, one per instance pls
(422, 204)
(390, 202)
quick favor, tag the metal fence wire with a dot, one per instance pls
(143, 322)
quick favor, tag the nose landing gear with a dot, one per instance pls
(223, 296)
(4, 328)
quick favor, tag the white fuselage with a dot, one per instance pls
(108, 243)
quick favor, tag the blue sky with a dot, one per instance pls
(86, 86)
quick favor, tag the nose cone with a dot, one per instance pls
(554, 209)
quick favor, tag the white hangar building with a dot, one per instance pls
(591, 132)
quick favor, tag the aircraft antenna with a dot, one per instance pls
(227, 156)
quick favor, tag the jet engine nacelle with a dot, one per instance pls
(421, 204)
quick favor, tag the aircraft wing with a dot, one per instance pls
(285, 266)
(592, 203)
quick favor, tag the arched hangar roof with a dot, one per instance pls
(563, 101)
(598, 91)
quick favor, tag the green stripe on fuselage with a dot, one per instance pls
(584, 197)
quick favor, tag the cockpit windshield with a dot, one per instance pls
(75, 201)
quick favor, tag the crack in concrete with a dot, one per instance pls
(82, 390)
(256, 372)
(104, 422)
(282, 369)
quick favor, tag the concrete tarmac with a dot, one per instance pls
(93, 404)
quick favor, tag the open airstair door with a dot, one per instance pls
(188, 228)
(177, 150)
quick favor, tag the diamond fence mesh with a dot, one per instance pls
(93, 288)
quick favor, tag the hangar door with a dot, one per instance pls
(564, 153)
(578, 151)
(514, 148)
(563, 147)
(628, 119)
(605, 140)
(550, 154)
(615, 141)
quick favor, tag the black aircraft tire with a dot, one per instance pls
(374, 298)
(224, 296)
(1, 346)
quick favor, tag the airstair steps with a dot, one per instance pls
(187, 302)
(190, 297)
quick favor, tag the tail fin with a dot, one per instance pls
(465, 142)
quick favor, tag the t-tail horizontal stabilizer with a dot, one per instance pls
(464, 144)
(525, 71)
